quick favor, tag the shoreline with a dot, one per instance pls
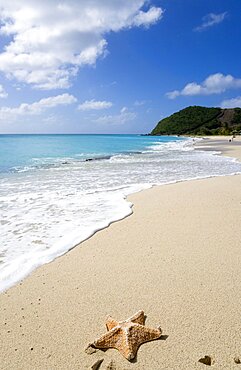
(61, 306)
(222, 144)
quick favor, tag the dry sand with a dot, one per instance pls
(177, 258)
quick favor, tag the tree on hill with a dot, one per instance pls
(196, 120)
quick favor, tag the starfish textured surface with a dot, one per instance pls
(126, 336)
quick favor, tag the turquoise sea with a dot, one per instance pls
(57, 190)
(26, 152)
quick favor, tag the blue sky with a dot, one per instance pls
(108, 66)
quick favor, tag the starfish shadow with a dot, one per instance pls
(163, 337)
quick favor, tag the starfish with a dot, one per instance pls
(126, 336)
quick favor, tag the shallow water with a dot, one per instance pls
(57, 190)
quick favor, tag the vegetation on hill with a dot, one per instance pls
(197, 120)
(237, 116)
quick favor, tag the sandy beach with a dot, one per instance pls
(177, 257)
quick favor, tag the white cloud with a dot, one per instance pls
(210, 20)
(213, 84)
(36, 108)
(139, 103)
(232, 103)
(173, 94)
(50, 119)
(147, 18)
(51, 40)
(94, 105)
(124, 116)
(3, 93)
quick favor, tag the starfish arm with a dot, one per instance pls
(138, 334)
(144, 334)
(110, 323)
(109, 339)
(138, 318)
(128, 350)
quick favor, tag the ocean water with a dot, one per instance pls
(58, 190)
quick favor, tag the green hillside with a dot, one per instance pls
(200, 121)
